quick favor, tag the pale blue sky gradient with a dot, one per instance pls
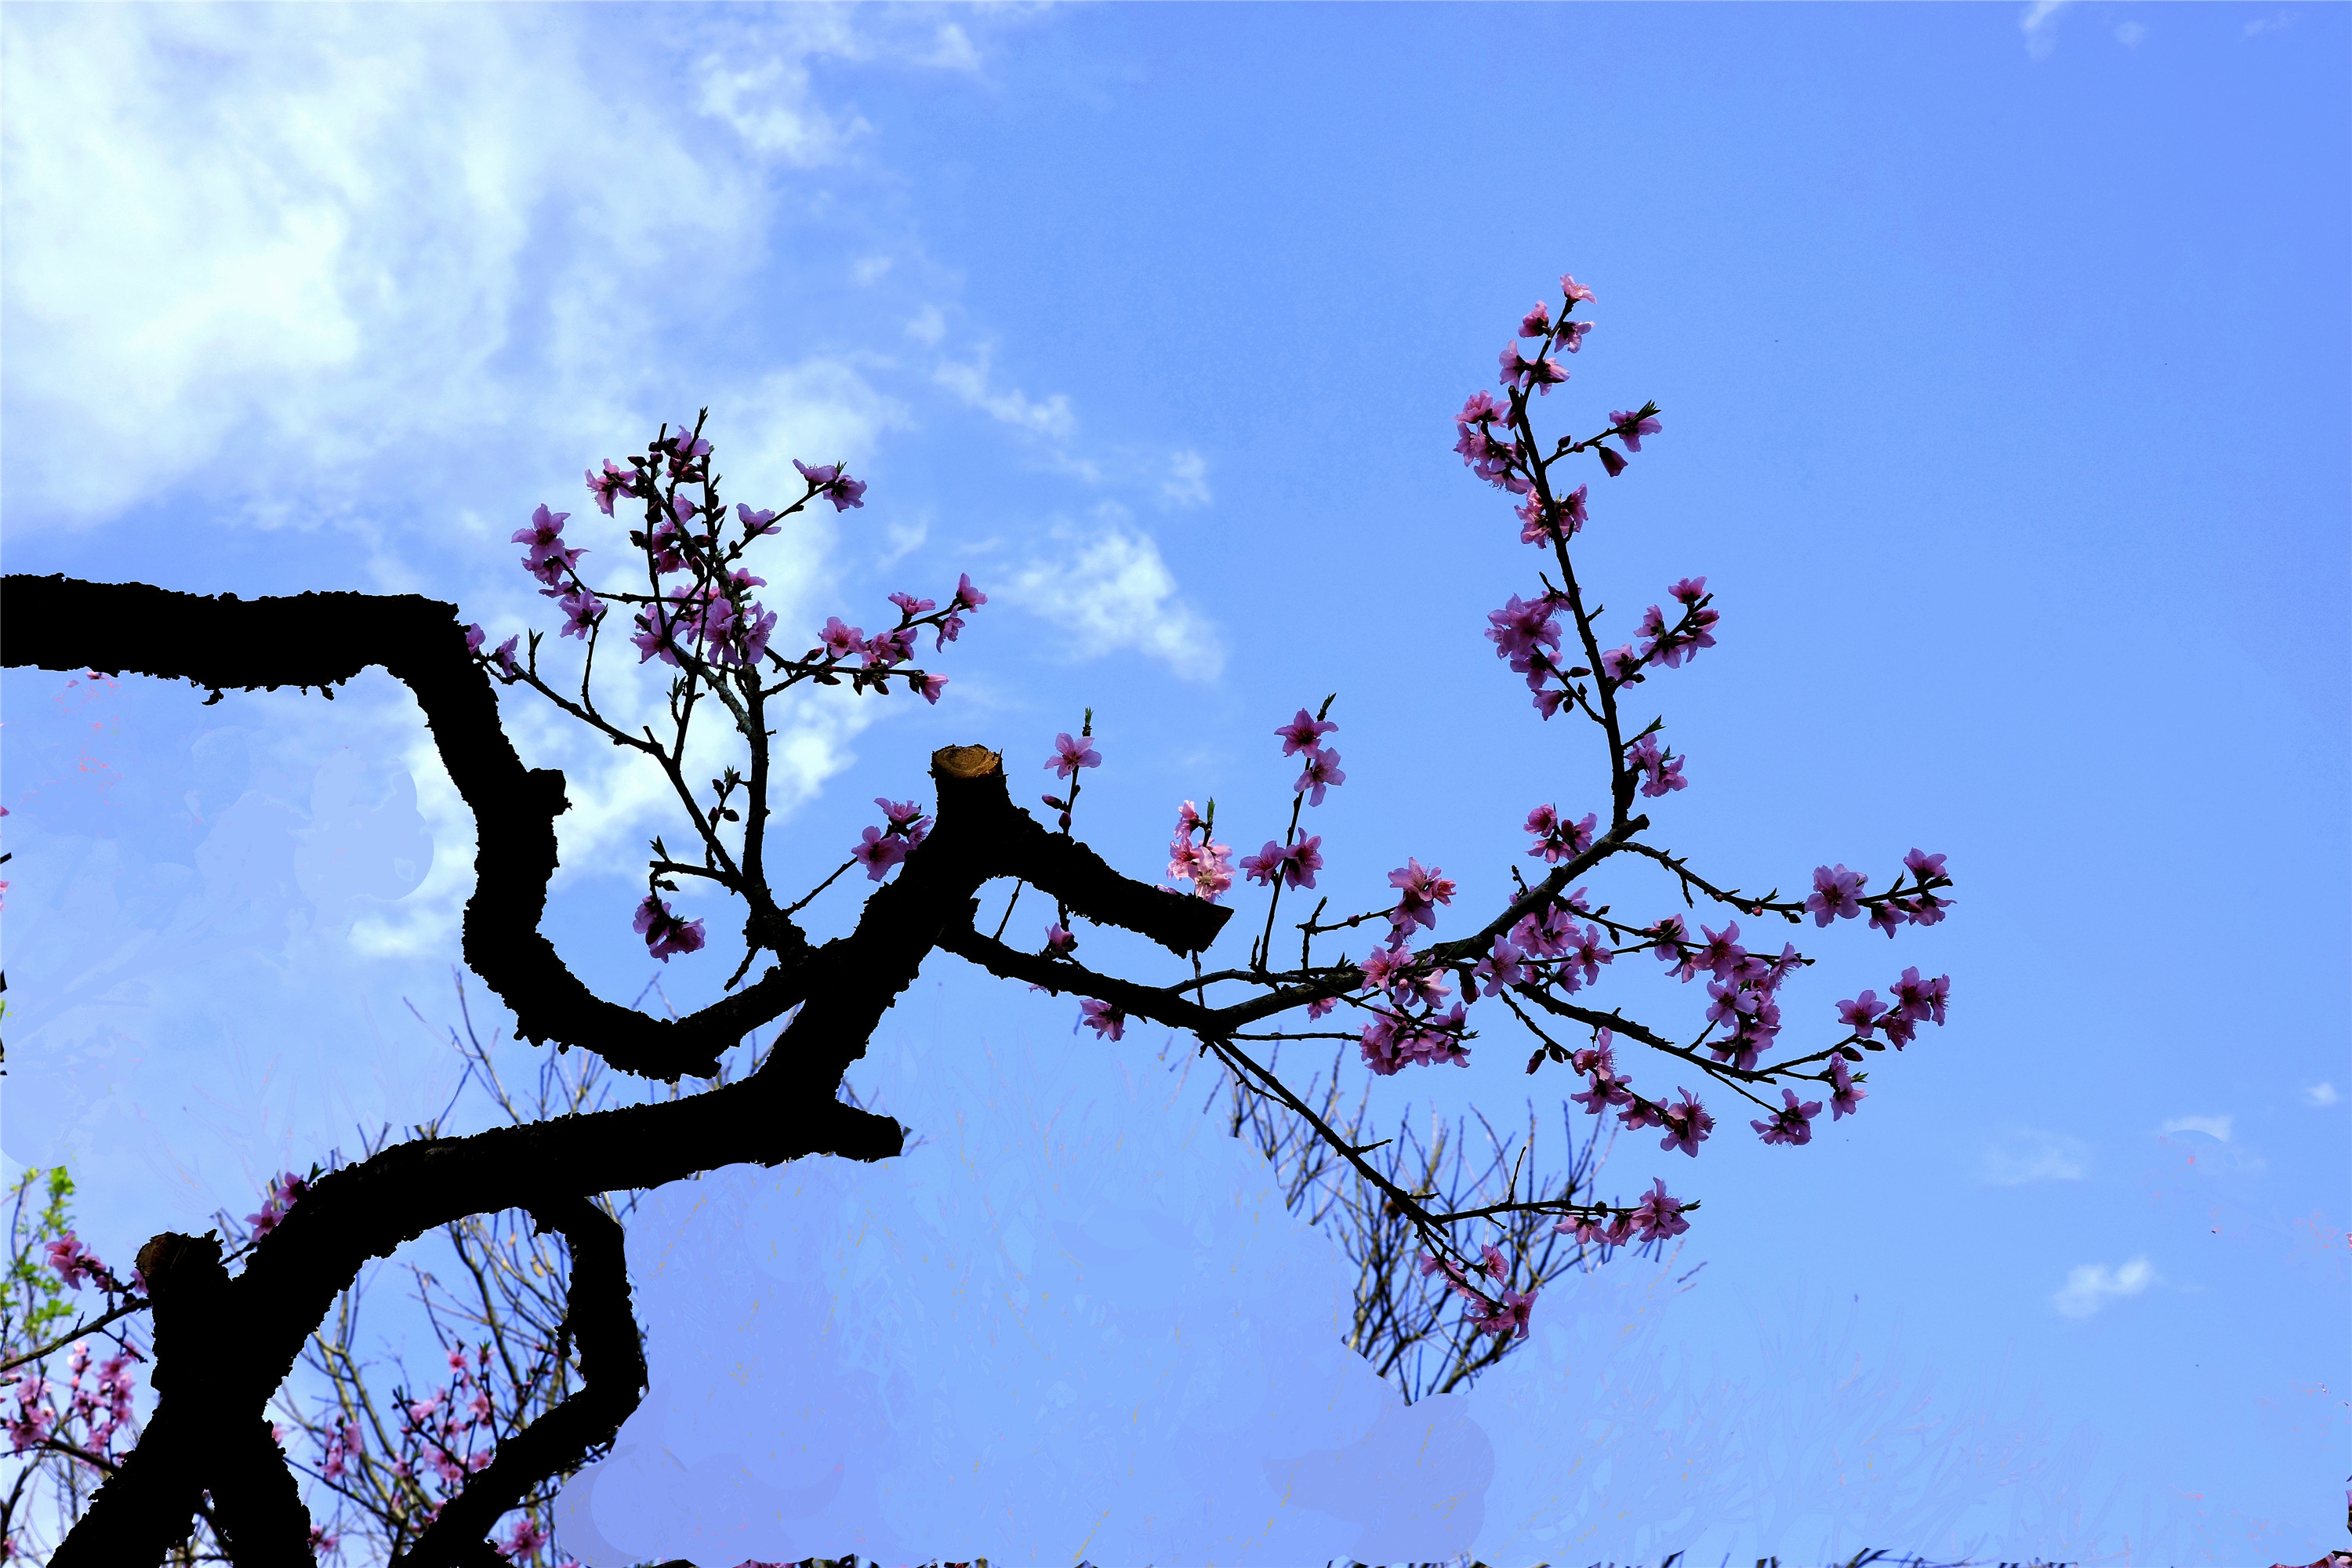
(2004, 360)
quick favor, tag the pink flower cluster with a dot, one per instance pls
(1508, 1316)
(75, 1262)
(1557, 838)
(1656, 1218)
(285, 1192)
(904, 829)
(554, 564)
(1193, 857)
(447, 1429)
(102, 1406)
(1915, 1001)
(664, 934)
(882, 652)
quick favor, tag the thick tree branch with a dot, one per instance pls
(323, 639)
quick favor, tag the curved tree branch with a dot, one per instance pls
(323, 639)
(612, 1366)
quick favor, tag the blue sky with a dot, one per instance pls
(2002, 353)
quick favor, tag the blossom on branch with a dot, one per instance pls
(664, 932)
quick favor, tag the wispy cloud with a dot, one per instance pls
(756, 79)
(2039, 24)
(2321, 1094)
(2030, 1154)
(1187, 483)
(1110, 587)
(2212, 1126)
(2091, 1285)
(969, 382)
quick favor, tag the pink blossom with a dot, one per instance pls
(755, 523)
(1845, 1095)
(1573, 291)
(72, 1261)
(506, 655)
(1860, 1013)
(1922, 1000)
(1558, 839)
(545, 537)
(1686, 1123)
(839, 641)
(614, 481)
(1658, 1216)
(832, 482)
(1564, 519)
(1793, 1123)
(1420, 892)
(582, 611)
(1322, 773)
(1482, 409)
(879, 851)
(1661, 773)
(1632, 427)
(1107, 1022)
(664, 932)
(1304, 733)
(1070, 755)
(906, 819)
(1511, 1317)
(1609, 460)
(1501, 968)
(285, 1191)
(1832, 896)
(1058, 942)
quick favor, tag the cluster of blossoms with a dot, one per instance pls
(1195, 856)
(880, 848)
(1657, 1218)
(90, 1413)
(285, 1191)
(885, 651)
(1294, 862)
(446, 1432)
(664, 934)
(702, 619)
(1507, 1316)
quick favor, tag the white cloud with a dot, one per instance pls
(2090, 1286)
(2030, 1154)
(1112, 589)
(309, 228)
(970, 382)
(952, 50)
(2039, 25)
(929, 326)
(1187, 483)
(2321, 1094)
(2212, 1126)
(2130, 34)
